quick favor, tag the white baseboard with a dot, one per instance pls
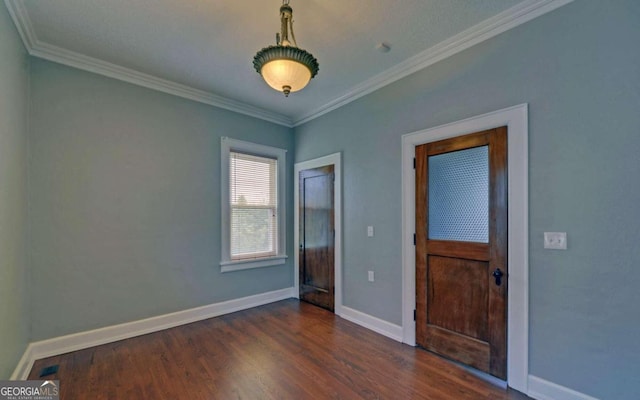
(541, 389)
(109, 334)
(538, 389)
(375, 324)
(24, 366)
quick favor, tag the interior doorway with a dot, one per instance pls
(316, 235)
(516, 120)
(316, 226)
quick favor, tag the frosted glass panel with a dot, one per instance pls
(459, 195)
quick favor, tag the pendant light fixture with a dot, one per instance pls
(285, 67)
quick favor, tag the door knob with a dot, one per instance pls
(498, 275)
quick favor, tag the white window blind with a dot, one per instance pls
(253, 189)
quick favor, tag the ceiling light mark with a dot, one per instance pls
(383, 47)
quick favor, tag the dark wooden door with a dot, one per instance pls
(317, 236)
(461, 249)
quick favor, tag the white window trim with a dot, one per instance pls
(226, 147)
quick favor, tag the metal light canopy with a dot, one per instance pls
(285, 67)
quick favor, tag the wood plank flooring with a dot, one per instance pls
(284, 350)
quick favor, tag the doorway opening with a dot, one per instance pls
(516, 120)
(334, 162)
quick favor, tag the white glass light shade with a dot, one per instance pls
(285, 68)
(281, 73)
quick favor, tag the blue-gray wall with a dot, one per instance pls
(124, 192)
(124, 199)
(579, 69)
(14, 301)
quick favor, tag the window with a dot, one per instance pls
(254, 206)
(252, 198)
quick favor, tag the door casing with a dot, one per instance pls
(516, 120)
(334, 159)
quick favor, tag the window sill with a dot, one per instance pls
(230, 266)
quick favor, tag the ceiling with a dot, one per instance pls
(203, 49)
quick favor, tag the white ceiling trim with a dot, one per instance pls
(60, 55)
(502, 22)
(73, 59)
(22, 22)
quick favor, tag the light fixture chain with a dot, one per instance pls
(293, 35)
(284, 37)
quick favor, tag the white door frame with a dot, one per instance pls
(516, 119)
(335, 160)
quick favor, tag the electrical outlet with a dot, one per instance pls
(371, 277)
(555, 240)
(370, 231)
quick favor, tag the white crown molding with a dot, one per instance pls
(491, 27)
(60, 55)
(80, 61)
(502, 22)
(22, 22)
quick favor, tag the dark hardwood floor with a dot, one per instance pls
(284, 350)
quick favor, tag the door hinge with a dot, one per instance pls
(414, 314)
(414, 239)
(414, 163)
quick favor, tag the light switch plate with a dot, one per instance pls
(371, 277)
(555, 240)
(370, 231)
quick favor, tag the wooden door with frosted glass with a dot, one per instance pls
(461, 249)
